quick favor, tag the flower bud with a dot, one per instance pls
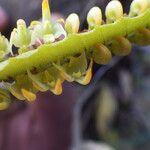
(4, 46)
(58, 87)
(94, 17)
(88, 75)
(138, 6)
(20, 35)
(3, 43)
(120, 46)
(14, 90)
(140, 37)
(37, 81)
(101, 54)
(28, 95)
(114, 11)
(72, 23)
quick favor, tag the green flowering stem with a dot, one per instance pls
(73, 44)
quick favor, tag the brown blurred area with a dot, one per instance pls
(41, 125)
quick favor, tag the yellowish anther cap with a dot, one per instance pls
(58, 87)
(88, 75)
(72, 23)
(46, 15)
(94, 17)
(28, 95)
(114, 11)
(138, 6)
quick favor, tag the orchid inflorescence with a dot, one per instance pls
(51, 52)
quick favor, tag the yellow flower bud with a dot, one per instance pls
(138, 6)
(58, 87)
(4, 46)
(120, 46)
(20, 35)
(72, 23)
(88, 75)
(101, 54)
(28, 95)
(94, 17)
(114, 11)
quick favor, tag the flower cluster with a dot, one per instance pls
(51, 52)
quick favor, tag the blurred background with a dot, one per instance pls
(111, 113)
